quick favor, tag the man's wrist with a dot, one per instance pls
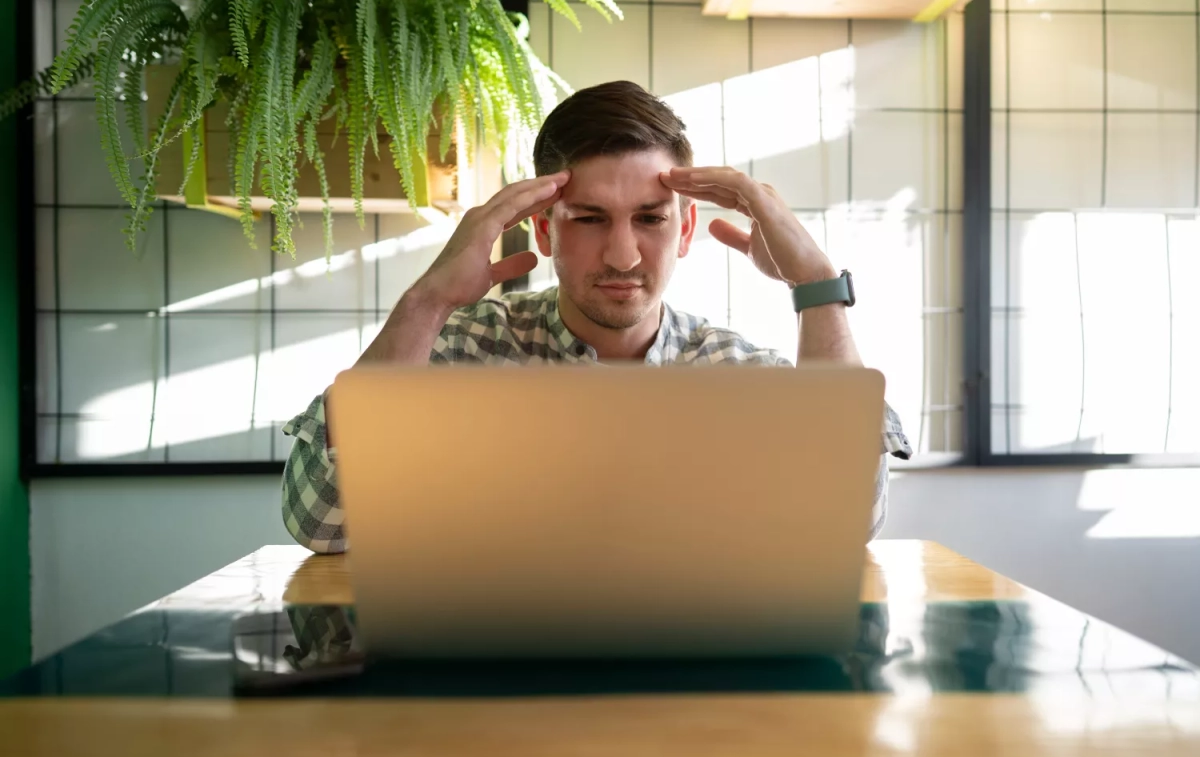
(423, 300)
(823, 272)
(409, 333)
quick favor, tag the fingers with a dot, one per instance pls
(514, 266)
(714, 177)
(768, 266)
(729, 235)
(533, 209)
(717, 198)
(721, 193)
(521, 199)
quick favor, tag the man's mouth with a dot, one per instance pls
(620, 285)
(620, 290)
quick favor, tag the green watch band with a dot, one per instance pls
(825, 292)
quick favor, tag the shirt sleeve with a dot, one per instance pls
(895, 443)
(312, 510)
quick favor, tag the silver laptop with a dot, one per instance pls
(607, 511)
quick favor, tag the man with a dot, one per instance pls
(613, 207)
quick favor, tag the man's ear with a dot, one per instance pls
(687, 228)
(541, 231)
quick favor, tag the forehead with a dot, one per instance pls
(616, 182)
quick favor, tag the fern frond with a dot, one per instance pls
(131, 98)
(246, 160)
(146, 194)
(444, 49)
(90, 23)
(202, 56)
(315, 84)
(284, 66)
(390, 92)
(516, 75)
(240, 13)
(316, 157)
(606, 8)
(564, 9)
(356, 118)
(280, 144)
(365, 26)
(462, 27)
(137, 20)
(255, 16)
(40, 85)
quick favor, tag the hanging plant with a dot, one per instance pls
(286, 69)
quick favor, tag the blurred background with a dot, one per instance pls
(1049, 378)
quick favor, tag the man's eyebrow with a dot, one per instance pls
(579, 206)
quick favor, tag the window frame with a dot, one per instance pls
(976, 286)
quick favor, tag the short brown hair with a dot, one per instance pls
(608, 119)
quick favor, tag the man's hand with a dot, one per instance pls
(779, 247)
(463, 273)
(776, 243)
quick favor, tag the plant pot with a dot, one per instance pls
(210, 185)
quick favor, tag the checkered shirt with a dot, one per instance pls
(519, 328)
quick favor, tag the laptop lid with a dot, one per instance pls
(615, 511)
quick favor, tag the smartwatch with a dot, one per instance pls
(825, 292)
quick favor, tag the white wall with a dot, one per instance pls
(103, 548)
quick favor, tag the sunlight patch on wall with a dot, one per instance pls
(437, 232)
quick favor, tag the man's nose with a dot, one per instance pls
(622, 252)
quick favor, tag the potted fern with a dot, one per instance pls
(289, 84)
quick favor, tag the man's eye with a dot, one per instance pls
(587, 219)
(654, 220)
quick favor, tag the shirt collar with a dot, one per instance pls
(562, 341)
(665, 347)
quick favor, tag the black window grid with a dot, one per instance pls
(979, 255)
(977, 310)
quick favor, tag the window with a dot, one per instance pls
(199, 348)
(1096, 241)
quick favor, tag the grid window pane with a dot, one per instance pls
(207, 407)
(865, 148)
(198, 346)
(96, 271)
(1091, 332)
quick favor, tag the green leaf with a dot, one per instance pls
(241, 13)
(563, 8)
(146, 194)
(41, 85)
(606, 8)
(92, 20)
(139, 19)
(283, 66)
(366, 22)
(317, 82)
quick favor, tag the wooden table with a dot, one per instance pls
(932, 686)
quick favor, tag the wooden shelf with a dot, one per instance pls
(438, 185)
(920, 10)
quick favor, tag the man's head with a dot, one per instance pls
(617, 231)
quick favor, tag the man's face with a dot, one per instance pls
(615, 235)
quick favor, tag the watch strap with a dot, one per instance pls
(823, 292)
